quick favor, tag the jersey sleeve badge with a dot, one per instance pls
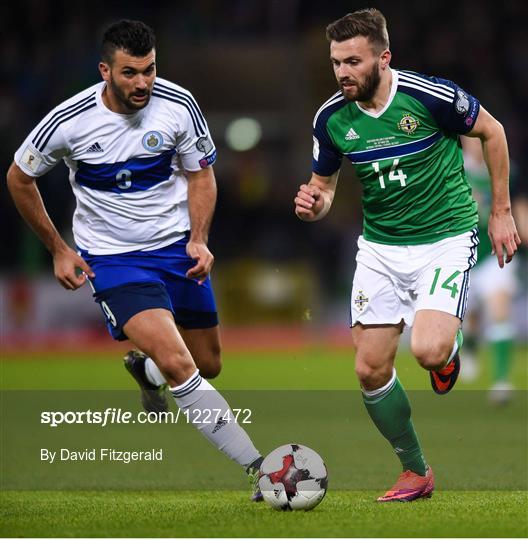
(315, 149)
(204, 144)
(31, 159)
(462, 103)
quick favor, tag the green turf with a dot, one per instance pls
(471, 445)
(230, 514)
(314, 368)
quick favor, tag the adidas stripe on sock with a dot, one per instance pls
(373, 396)
(200, 398)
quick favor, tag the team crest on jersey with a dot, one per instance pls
(462, 103)
(152, 141)
(361, 301)
(408, 124)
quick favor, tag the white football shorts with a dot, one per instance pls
(392, 283)
(487, 278)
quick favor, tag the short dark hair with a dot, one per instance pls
(368, 22)
(134, 37)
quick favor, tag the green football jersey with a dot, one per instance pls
(407, 156)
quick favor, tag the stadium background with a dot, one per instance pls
(266, 60)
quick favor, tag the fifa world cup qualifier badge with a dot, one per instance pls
(31, 160)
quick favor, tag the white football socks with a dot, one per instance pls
(211, 415)
(153, 373)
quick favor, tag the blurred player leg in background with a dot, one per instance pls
(493, 290)
(470, 368)
(501, 337)
(491, 323)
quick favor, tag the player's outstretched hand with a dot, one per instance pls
(204, 261)
(65, 264)
(504, 236)
(309, 202)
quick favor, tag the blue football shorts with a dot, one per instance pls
(129, 283)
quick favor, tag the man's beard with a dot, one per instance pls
(363, 92)
(126, 101)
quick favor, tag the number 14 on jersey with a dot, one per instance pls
(395, 175)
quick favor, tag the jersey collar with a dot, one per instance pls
(394, 87)
(106, 110)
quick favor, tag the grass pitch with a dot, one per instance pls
(229, 514)
(479, 456)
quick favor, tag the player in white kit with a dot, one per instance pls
(140, 157)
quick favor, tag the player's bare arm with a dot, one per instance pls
(501, 228)
(29, 203)
(313, 200)
(202, 202)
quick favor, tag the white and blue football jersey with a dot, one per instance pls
(127, 171)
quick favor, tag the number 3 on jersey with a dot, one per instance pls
(123, 179)
(395, 175)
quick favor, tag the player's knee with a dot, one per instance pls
(210, 362)
(431, 356)
(372, 377)
(176, 366)
(212, 369)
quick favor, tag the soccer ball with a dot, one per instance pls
(293, 477)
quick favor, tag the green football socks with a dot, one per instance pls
(390, 410)
(502, 356)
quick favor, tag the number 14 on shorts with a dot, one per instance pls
(449, 284)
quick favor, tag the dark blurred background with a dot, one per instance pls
(262, 60)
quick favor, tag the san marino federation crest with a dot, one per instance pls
(152, 141)
(408, 124)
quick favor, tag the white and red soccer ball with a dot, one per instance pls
(293, 477)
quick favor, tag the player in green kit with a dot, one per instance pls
(490, 309)
(401, 132)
